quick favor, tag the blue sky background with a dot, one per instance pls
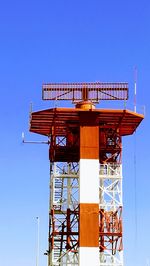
(67, 40)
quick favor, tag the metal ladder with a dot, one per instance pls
(58, 193)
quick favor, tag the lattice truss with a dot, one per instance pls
(93, 91)
(111, 250)
(63, 228)
(111, 214)
(64, 218)
(64, 213)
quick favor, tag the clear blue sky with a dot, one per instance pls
(67, 40)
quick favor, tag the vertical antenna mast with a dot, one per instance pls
(135, 87)
(38, 241)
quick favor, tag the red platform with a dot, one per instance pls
(42, 122)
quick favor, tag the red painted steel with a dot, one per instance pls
(93, 91)
(88, 225)
(64, 119)
(63, 233)
(111, 230)
(63, 128)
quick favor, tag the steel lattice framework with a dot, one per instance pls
(73, 231)
(93, 91)
(64, 214)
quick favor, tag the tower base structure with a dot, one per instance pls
(64, 217)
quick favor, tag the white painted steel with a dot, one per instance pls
(64, 190)
(89, 256)
(110, 190)
(89, 181)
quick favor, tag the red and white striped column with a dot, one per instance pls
(89, 195)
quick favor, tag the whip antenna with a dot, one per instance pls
(135, 87)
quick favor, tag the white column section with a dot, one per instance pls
(89, 193)
(89, 181)
(89, 256)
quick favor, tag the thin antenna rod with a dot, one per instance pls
(135, 87)
(38, 241)
(34, 142)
